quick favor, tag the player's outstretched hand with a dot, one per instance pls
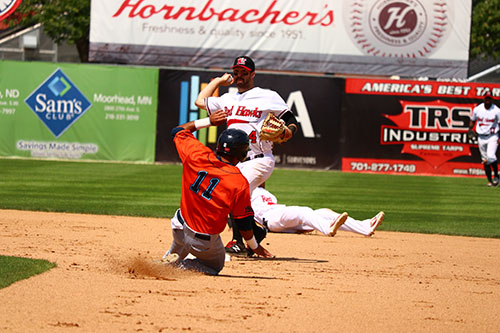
(262, 252)
(218, 117)
(226, 79)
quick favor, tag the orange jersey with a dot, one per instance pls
(211, 188)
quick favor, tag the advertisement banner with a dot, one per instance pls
(371, 37)
(8, 7)
(411, 127)
(315, 101)
(77, 112)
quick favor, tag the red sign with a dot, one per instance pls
(404, 167)
(420, 88)
(434, 131)
(426, 121)
(7, 7)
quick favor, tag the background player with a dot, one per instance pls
(281, 218)
(246, 110)
(212, 187)
(486, 118)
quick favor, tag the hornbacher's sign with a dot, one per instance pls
(433, 128)
(389, 37)
(209, 11)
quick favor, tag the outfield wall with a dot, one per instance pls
(411, 127)
(316, 102)
(115, 113)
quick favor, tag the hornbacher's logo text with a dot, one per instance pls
(147, 9)
(434, 131)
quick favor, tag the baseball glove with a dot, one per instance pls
(273, 129)
(472, 135)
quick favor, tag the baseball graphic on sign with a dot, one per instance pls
(398, 28)
(7, 7)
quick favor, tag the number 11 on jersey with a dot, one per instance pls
(195, 187)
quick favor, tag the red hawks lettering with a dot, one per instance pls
(242, 111)
(485, 120)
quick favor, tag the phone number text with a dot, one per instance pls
(383, 167)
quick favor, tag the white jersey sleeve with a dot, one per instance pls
(262, 202)
(474, 113)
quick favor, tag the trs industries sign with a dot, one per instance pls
(387, 37)
(435, 131)
(422, 126)
(58, 103)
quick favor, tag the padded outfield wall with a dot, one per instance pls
(411, 127)
(116, 113)
(315, 101)
(353, 125)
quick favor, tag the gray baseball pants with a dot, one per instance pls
(208, 249)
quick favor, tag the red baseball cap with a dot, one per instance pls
(245, 62)
(488, 95)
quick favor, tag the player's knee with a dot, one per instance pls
(259, 232)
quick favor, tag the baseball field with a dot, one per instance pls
(433, 265)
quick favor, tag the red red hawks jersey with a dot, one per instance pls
(211, 189)
(487, 119)
(247, 112)
(262, 202)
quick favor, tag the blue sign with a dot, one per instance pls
(58, 103)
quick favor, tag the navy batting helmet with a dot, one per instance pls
(233, 142)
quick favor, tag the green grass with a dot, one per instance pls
(441, 205)
(13, 269)
(438, 205)
(95, 188)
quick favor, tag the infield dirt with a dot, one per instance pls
(106, 280)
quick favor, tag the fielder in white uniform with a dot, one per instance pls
(247, 110)
(486, 118)
(292, 219)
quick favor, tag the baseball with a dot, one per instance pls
(230, 79)
(404, 28)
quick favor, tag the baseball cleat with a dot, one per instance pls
(490, 184)
(236, 248)
(495, 181)
(376, 221)
(170, 259)
(337, 223)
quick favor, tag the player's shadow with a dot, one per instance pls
(298, 260)
(248, 277)
(308, 261)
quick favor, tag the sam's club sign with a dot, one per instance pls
(58, 103)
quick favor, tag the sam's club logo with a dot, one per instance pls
(58, 103)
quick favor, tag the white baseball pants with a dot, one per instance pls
(257, 170)
(293, 219)
(488, 148)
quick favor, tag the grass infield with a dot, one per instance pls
(439, 205)
(13, 269)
